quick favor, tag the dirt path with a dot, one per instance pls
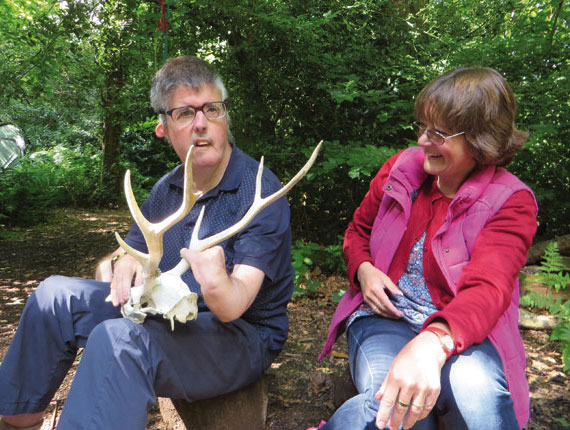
(301, 389)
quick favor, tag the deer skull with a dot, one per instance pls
(166, 293)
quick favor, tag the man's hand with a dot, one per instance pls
(127, 271)
(104, 270)
(413, 383)
(227, 295)
(374, 283)
(120, 274)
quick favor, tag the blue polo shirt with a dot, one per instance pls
(265, 243)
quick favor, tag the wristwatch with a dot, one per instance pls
(445, 339)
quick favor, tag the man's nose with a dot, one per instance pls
(200, 120)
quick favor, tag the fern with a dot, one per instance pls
(551, 274)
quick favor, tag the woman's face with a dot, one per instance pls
(451, 162)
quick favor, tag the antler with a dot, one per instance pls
(258, 204)
(153, 232)
(166, 293)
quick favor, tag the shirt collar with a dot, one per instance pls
(230, 181)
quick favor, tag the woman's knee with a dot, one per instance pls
(477, 381)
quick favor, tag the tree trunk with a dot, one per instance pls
(112, 129)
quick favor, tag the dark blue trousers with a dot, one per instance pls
(125, 366)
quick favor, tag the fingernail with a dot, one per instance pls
(380, 424)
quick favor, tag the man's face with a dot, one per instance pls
(209, 137)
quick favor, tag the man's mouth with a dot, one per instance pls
(199, 143)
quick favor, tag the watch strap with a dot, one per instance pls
(440, 333)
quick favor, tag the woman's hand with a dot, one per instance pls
(413, 383)
(374, 283)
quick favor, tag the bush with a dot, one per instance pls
(46, 179)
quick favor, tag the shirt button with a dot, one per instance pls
(389, 188)
(447, 250)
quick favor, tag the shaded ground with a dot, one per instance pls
(301, 389)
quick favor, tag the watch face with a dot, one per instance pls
(448, 342)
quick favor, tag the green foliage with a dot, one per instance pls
(77, 74)
(552, 276)
(302, 262)
(47, 179)
(307, 256)
(551, 272)
(338, 295)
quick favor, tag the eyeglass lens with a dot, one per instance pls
(432, 135)
(185, 115)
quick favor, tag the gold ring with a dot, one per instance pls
(417, 406)
(405, 405)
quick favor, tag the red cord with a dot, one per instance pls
(163, 23)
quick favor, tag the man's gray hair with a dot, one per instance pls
(184, 71)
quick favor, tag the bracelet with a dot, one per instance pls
(117, 257)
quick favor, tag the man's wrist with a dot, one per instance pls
(116, 258)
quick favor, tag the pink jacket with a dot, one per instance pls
(478, 199)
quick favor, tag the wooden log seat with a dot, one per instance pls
(244, 409)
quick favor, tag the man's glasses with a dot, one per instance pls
(185, 115)
(434, 136)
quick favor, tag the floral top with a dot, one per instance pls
(415, 303)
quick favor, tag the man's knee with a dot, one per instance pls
(119, 338)
(51, 289)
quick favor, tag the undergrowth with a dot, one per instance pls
(553, 274)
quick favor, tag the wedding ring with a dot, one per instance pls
(403, 404)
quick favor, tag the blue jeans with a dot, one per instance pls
(473, 395)
(125, 365)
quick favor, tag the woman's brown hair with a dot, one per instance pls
(479, 102)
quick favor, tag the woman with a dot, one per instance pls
(433, 253)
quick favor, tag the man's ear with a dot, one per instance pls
(160, 130)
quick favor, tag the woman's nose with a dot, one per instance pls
(423, 140)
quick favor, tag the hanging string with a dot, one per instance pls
(164, 25)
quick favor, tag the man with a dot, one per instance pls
(243, 287)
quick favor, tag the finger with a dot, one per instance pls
(114, 298)
(387, 399)
(401, 408)
(392, 311)
(429, 403)
(139, 275)
(377, 307)
(391, 287)
(185, 253)
(415, 411)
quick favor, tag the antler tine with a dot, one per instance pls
(188, 200)
(257, 205)
(153, 232)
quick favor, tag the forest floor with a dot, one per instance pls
(301, 389)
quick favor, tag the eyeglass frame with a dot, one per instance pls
(196, 110)
(422, 129)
